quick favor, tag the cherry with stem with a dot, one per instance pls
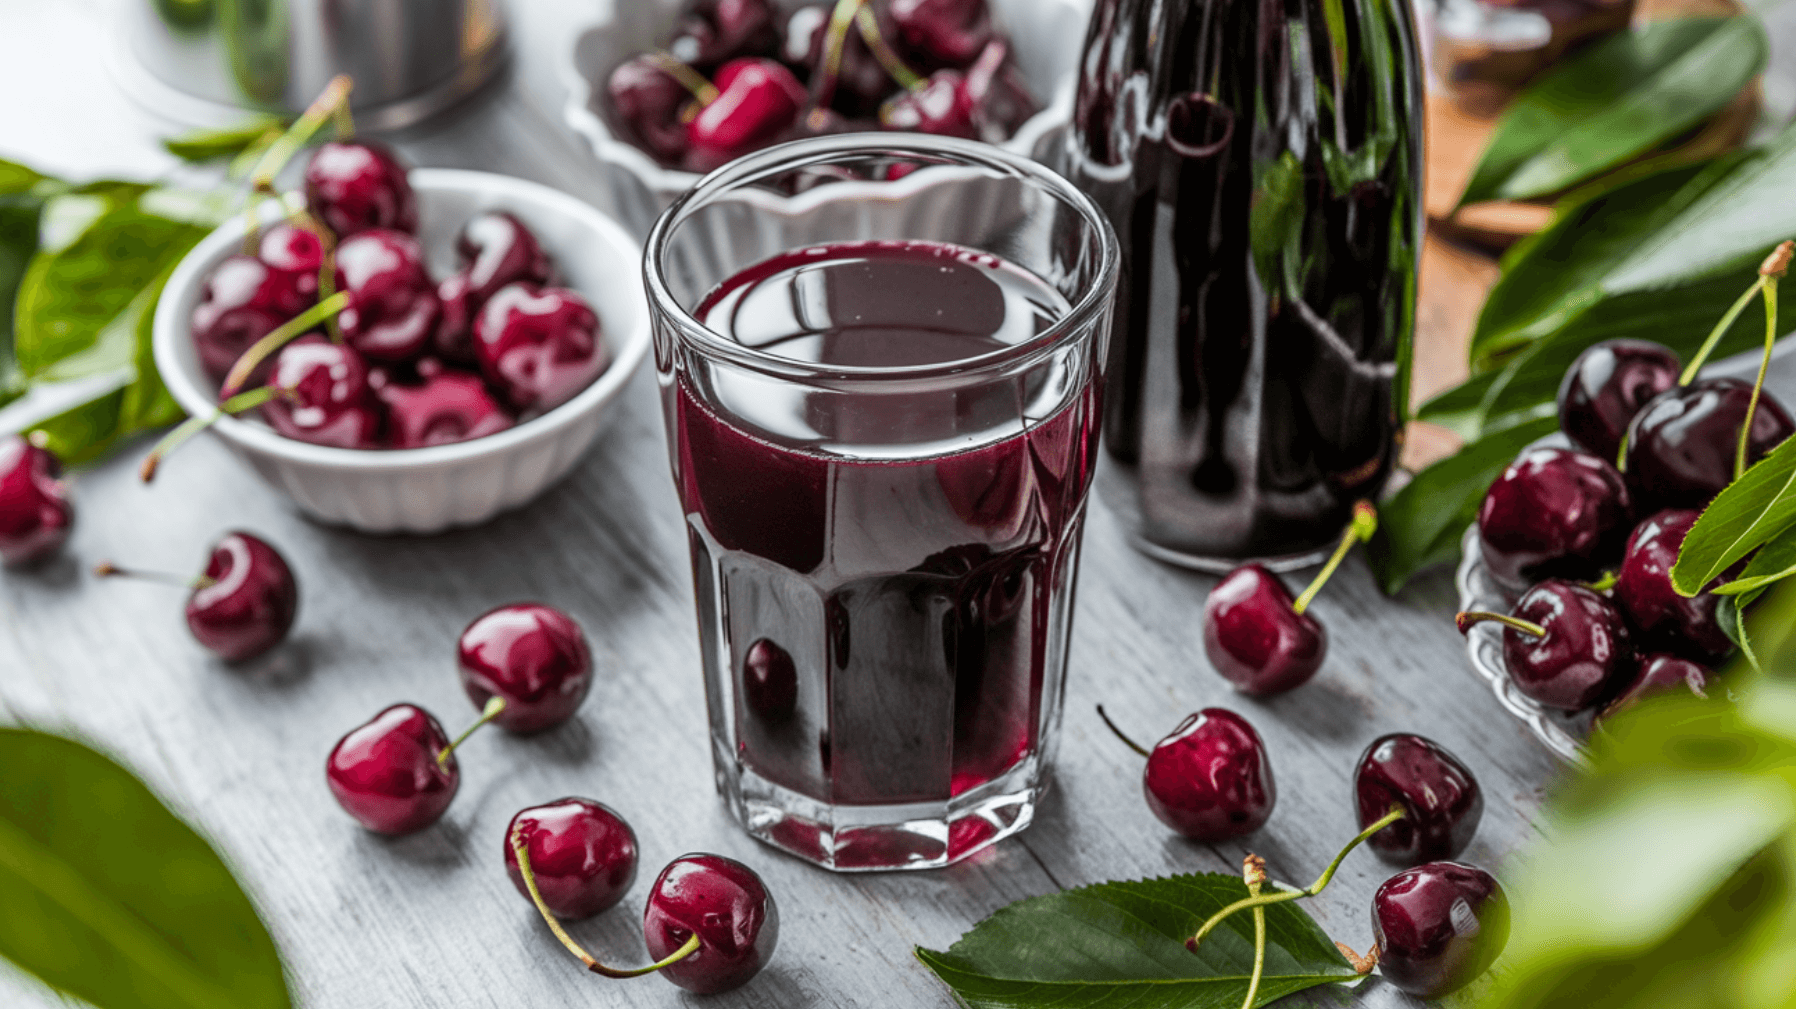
(240, 403)
(282, 335)
(332, 102)
(494, 708)
(521, 850)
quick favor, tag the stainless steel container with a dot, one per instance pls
(207, 61)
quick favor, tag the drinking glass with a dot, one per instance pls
(884, 550)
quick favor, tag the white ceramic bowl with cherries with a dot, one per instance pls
(437, 487)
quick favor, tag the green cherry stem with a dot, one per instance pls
(1253, 873)
(835, 41)
(688, 78)
(1364, 524)
(1130, 743)
(1465, 620)
(494, 706)
(107, 569)
(522, 851)
(868, 23)
(1281, 896)
(1770, 272)
(279, 337)
(277, 155)
(194, 425)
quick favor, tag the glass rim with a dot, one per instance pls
(821, 150)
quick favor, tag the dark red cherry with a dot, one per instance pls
(496, 249)
(326, 397)
(247, 600)
(940, 33)
(582, 855)
(712, 31)
(393, 305)
(1661, 618)
(294, 249)
(1438, 926)
(35, 513)
(534, 656)
(1660, 674)
(1607, 385)
(1682, 444)
(1581, 654)
(758, 99)
(727, 906)
(456, 309)
(1001, 100)
(538, 347)
(861, 83)
(769, 681)
(448, 406)
(386, 773)
(1255, 639)
(1440, 799)
(355, 185)
(1210, 779)
(1554, 513)
(647, 102)
(943, 106)
(242, 300)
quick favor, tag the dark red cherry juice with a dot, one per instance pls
(884, 568)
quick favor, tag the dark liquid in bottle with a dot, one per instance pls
(1261, 163)
(879, 564)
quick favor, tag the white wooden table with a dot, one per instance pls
(431, 920)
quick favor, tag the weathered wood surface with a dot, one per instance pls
(431, 920)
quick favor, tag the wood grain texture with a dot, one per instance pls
(431, 920)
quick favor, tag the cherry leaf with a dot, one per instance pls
(1747, 514)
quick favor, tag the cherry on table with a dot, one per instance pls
(582, 855)
(1682, 444)
(647, 102)
(1660, 673)
(712, 31)
(449, 405)
(397, 773)
(532, 656)
(242, 604)
(1438, 927)
(1440, 799)
(758, 99)
(242, 300)
(1607, 385)
(392, 310)
(1554, 513)
(722, 902)
(1209, 779)
(940, 33)
(1563, 644)
(325, 395)
(356, 185)
(538, 347)
(1663, 618)
(35, 512)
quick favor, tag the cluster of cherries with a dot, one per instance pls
(737, 75)
(1558, 523)
(335, 315)
(1437, 925)
(710, 922)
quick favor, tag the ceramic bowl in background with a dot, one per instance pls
(428, 490)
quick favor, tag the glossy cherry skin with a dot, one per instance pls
(1661, 618)
(712, 31)
(940, 33)
(448, 406)
(1554, 513)
(327, 399)
(727, 905)
(251, 600)
(1681, 445)
(393, 306)
(35, 513)
(494, 249)
(582, 855)
(1255, 639)
(538, 347)
(769, 681)
(758, 99)
(647, 103)
(1210, 779)
(943, 106)
(1607, 385)
(1660, 673)
(1586, 654)
(386, 775)
(1440, 799)
(1439, 926)
(242, 300)
(355, 185)
(295, 250)
(534, 656)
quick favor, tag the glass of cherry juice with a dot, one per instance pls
(880, 363)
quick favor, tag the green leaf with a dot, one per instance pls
(212, 145)
(1421, 525)
(84, 432)
(1616, 100)
(112, 899)
(70, 299)
(1747, 514)
(1774, 562)
(20, 215)
(1123, 944)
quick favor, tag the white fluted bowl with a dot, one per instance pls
(428, 490)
